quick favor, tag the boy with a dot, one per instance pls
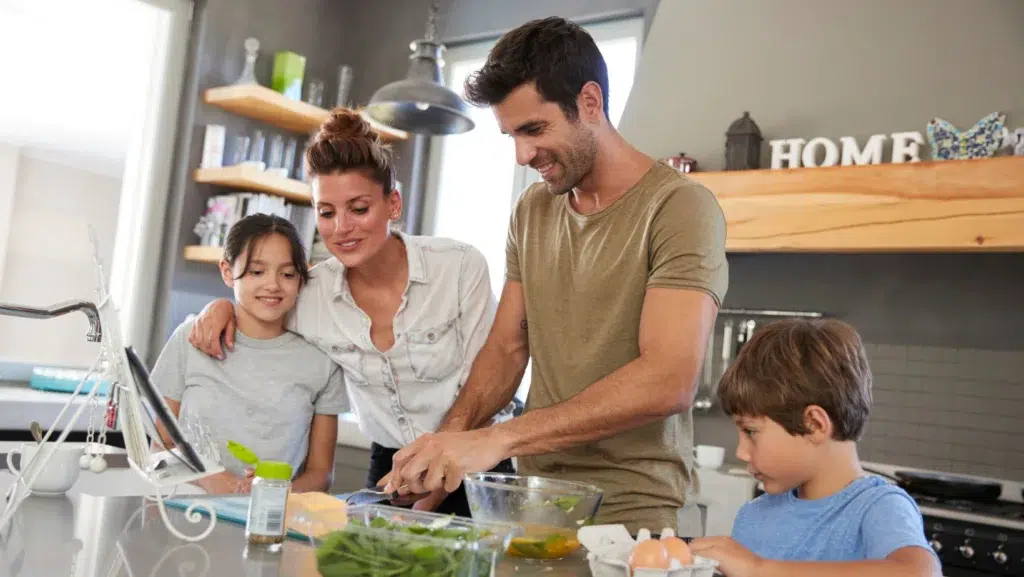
(800, 393)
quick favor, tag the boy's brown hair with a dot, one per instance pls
(792, 364)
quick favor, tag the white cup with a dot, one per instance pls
(58, 474)
(708, 456)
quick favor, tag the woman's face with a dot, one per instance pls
(353, 215)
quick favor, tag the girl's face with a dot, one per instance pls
(268, 289)
(353, 215)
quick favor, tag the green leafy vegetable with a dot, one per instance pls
(567, 503)
(351, 552)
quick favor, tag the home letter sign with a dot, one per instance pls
(796, 152)
(872, 153)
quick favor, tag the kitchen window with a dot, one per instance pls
(475, 174)
(101, 159)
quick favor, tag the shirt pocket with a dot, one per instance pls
(435, 353)
(352, 363)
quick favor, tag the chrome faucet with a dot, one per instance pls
(95, 333)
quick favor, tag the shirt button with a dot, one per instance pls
(335, 349)
(430, 336)
(401, 420)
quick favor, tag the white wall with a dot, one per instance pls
(48, 256)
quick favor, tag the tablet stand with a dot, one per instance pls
(164, 471)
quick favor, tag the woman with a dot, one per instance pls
(403, 315)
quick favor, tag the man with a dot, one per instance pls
(616, 268)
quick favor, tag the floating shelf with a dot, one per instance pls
(943, 206)
(262, 103)
(204, 254)
(248, 178)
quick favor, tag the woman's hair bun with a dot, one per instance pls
(345, 123)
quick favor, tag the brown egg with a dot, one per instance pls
(649, 554)
(677, 549)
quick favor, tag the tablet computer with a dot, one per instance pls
(162, 411)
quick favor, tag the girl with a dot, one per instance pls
(403, 315)
(278, 395)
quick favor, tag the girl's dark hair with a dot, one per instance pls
(555, 54)
(244, 234)
(347, 142)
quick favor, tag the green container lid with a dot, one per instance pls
(274, 470)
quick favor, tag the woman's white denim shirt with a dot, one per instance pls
(442, 322)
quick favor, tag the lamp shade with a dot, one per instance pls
(421, 103)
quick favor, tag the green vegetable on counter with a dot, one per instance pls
(354, 553)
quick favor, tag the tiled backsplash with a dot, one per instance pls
(947, 409)
(957, 410)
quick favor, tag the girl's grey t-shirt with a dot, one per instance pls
(263, 394)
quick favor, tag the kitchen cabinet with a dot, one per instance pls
(944, 206)
(723, 493)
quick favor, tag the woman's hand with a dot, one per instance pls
(217, 319)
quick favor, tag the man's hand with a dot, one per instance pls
(225, 483)
(439, 460)
(215, 320)
(734, 560)
(430, 502)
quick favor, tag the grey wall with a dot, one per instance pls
(309, 27)
(807, 68)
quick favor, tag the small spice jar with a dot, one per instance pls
(268, 504)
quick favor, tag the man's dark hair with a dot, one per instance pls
(557, 55)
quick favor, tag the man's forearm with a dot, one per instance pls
(639, 393)
(491, 385)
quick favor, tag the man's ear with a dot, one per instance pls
(818, 424)
(590, 103)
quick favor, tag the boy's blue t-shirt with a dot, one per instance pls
(869, 519)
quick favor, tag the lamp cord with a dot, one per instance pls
(431, 35)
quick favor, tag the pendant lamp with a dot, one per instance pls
(421, 103)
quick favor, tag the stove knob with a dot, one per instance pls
(966, 550)
(1000, 557)
(936, 546)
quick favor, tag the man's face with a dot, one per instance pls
(781, 461)
(561, 150)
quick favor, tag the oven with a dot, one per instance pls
(974, 546)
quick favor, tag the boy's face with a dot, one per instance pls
(779, 460)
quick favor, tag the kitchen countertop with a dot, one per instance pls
(86, 535)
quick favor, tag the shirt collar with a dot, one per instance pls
(413, 252)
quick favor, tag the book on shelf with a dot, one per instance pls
(223, 210)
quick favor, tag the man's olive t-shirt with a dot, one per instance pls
(584, 279)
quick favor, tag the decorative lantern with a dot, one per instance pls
(682, 163)
(743, 144)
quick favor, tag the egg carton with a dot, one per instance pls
(608, 549)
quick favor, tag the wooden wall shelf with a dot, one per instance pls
(262, 103)
(204, 254)
(245, 178)
(945, 206)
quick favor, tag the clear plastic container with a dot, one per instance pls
(384, 540)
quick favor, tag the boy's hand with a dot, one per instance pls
(734, 560)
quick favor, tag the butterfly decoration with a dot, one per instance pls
(979, 141)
